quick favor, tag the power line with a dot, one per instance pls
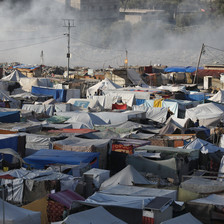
(30, 45)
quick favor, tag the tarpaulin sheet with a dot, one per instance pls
(58, 94)
(66, 198)
(188, 69)
(10, 117)
(45, 157)
(8, 141)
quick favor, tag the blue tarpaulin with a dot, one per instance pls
(8, 141)
(188, 69)
(31, 67)
(10, 116)
(46, 157)
(58, 94)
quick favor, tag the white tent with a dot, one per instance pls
(88, 119)
(209, 114)
(17, 215)
(97, 215)
(218, 97)
(204, 146)
(128, 176)
(105, 84)
(183, 219)
(14, 76)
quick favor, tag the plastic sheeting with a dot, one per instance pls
(212, 199)
(153, 113)
(183, 219)
(45, 157)
(97, 215)
(128, 176)
(208, 114)
(17, 215)
(218, 97)
(173, 106)
(14, 76)
(135, 77)
(58, 94)
(117, 200)
(204, 146)
(45, 109)
(139, 191)
(105, 84)
(9, 116)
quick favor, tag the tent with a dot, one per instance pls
(183, 219)
(45, 157)
(204, 146)
(10, 116)
(97, 215)
(128, 176)
(209, 114)
(218, 97)
(58, 94)
(105, 84)
(17, 215)
(14, 76)
(140, 191)
(88, 119)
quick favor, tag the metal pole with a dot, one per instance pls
(199, 59)
(68, 55)
(3, 204)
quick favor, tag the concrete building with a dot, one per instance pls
(107, 10)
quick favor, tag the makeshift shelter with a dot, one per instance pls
(207, 209)
(17, 215)
(45, 157)
(208, 114)
(139, 191)
(75, 144)
(97, 215)
(9, 117)
(14, 76)
(105, 84)
(183, 219)
(128, 176)
(58, 94)
(40, 109)
(218, 97)
(135, 77)
(88, 119)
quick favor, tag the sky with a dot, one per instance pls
(28, 29)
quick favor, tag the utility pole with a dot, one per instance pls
(68, 23)
(199, 59)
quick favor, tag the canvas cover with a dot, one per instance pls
(183, 219)
(208, 114)
(14, 76)
(45, 157)
(135, 77)
(136, 202)
(17, 215)
(58, 94)
(204, 146)
(202, 185)
(139, 191)
(218, 97)
(173, 106)
(39, 109)
(105, 84)
(97, 215)
(128, 176)
(173, 88)
(157, 114)
(88, 119)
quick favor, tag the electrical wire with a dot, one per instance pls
(30, 45)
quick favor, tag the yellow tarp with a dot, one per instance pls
(158, 103)
(39, 206)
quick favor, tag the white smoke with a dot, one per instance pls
(29, 28)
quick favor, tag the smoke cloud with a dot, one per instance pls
(28, 27)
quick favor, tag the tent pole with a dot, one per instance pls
(199, 59)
